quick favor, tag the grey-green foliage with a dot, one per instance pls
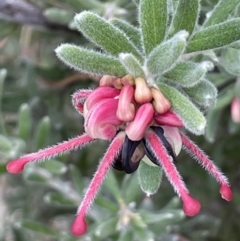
(230, 60)
(131, 31)
(89, 61)
(204, 93)
(221, 12)
(187, 73)
(153, 18)
(149, 177)
(165, 55)
(191, 116)
(185, 17)
(131, 65)
(215, 36)
(104, 34)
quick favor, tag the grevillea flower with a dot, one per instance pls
(137, 120)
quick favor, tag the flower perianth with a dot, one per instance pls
(79, 226)
(17, 166)
(206, 163)
(169, 118)
(137, 128)
(126, 109)
(101, 121)
(190, 205)
(99, 94)
(160, 103)
(78, 99)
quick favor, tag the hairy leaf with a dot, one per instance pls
(88, 61)
(149, 177)
(215, 36)
(131, 31)
(188, 73)
(165, 55)
(190, 115)
(153, 17)
(221, 12)
(131, 65)
(204, 93)
(104, 34)
(185, 17)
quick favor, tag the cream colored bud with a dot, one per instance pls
(106, 80)
(128, 80)
(117, 84)
(160, 103)
(142, 92)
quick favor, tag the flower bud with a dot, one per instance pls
(142, 92)
(160, 103)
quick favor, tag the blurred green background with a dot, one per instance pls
(36, 111)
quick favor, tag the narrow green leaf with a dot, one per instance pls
(54, 166)
(131, 31)
(166, 54)
(185, 17)
(165, 217)
(24, 122)
(59, 200)
(153, 17)
(130, 189)
(213, 118)
(5, 144)
(42, 132)
(149, 177)
(190, 115)
(215, 36)
(58, 15)
(106, 228)
(108, 204)
(221, 12)
(204, 93)
(77, 178)
(235, 45)
(230, 60)
(125, 235)
(113, 186)
(39, 228)
(187, 73)
(104, 34)
(173, 203)
(88, 61)
(225, 97)
(131, 65)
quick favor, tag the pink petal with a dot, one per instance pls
(101, 93)
(78, 99)
(79, 226)
(126, 110)
(101, 121)
(17, 166)
(169, 119)
(137, 128)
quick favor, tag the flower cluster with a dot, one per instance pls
(137, 120)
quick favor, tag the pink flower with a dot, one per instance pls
(235, 110)
(136, 125)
